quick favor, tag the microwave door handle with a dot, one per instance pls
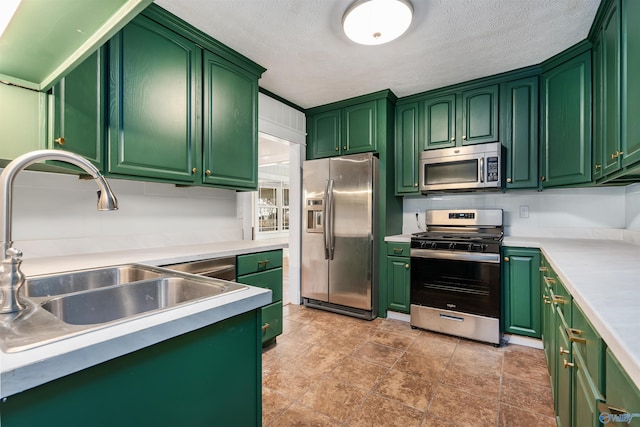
(481, 169)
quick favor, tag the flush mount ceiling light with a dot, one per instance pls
(373, 22)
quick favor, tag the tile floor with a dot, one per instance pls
(333, 370)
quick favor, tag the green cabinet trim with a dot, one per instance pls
(521, 303)
(381, 94)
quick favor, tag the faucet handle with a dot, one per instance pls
(14, 254)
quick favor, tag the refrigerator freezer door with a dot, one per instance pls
(315, 265)
(350, 217)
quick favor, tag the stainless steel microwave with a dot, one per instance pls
(472, 167)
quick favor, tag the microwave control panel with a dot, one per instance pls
(492, 169)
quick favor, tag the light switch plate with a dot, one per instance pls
(524, 211)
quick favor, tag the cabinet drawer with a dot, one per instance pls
(270, 279)
(398, 249)
(261, 261)
(586, 396)
(271, 320)
(590, 346)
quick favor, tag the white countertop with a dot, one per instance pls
(399, 238)
(603, 276)
(22, 370)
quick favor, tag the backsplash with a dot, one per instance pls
(602, 212)
(55, 214)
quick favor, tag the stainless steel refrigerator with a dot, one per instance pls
(338, 236)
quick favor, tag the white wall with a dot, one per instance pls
(55, 214)
(580, 212)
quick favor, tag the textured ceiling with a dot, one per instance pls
(310, 61)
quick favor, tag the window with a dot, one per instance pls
(273, 207)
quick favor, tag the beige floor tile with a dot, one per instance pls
(429, 368)
(288, 379)
(463, 409)
(392, 339)
(334, 398)
(515, 417)
(318, 360)
(409, 389)
(358, 373)
(527, 395)
(485, 384)
(376, 353)
(298, 415)
(398, 326)
(526, 366)
(273, 404)
(378, 411)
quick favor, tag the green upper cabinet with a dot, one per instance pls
(480, 115)
(230, 124)
(359, 128)
(438, 120)
(565, 146)
(347, 127)
(78, 110)
(610, 79)
(521, 291)
(155, 77)
(407, 149)
(520, 120)
(324, 131)
(630, 82)
(597, 143)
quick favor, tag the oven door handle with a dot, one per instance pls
(455, 256)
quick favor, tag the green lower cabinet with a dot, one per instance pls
(564, 373)
(398, 283)
(209, 377)
(622, 396)
(584, 411)
(264, 269)
(521, 292)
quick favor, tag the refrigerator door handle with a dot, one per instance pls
(329, 220)
(325, 231)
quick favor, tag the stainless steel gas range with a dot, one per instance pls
(455, 273)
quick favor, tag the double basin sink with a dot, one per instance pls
(65, 304)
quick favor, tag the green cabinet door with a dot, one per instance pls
(407, 149)
(521, 133)
(548, 319)
(398, 283)
(154, 129)
(324, 138)
(521, 291)
(438, 122)
(622, 394)
(359, 128)
(480, 115)
(630, 82)
(584, 411)
(230, 100)
(611, 160)
(598, 144)
(78, 113)
(564, 373)
(565, 146)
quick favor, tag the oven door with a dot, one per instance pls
(456, 281)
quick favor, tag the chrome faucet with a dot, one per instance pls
(11, 278)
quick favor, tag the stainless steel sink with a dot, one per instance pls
(119, 302)
(62, 305)
(84, 280)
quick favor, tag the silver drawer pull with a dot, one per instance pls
(454, 318)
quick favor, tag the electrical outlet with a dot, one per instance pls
(524, 211)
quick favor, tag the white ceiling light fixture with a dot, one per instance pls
(373, 22)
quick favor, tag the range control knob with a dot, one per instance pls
(424, 244)
(452, 246)
(434, 245)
